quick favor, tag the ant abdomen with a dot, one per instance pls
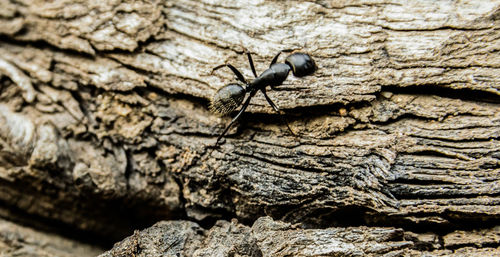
(227, 99)
(301, 64)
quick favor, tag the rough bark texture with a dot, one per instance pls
(104, 126)
(270, 238)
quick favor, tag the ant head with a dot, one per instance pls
(227, 99)
(301, 64)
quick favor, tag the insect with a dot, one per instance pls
(229, 97)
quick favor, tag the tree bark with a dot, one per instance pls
(104, 126)
(20, 241)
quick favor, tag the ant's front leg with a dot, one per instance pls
(251, 63)
(276, 57)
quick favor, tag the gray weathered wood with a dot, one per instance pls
(104, 123)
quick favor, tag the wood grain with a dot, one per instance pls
(104, 125)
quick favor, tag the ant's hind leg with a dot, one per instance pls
(283, 119)
(243, 108)
(235, 71)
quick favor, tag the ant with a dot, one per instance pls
(231, 96)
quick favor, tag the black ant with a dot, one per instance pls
(231, 96)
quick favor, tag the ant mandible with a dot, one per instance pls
(231, 96)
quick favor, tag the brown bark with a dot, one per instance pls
(104, 126)
(20, 241)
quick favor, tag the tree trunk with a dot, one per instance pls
(105, 128)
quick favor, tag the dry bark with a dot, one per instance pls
(270, 238)
(104, 124)
(21, 241)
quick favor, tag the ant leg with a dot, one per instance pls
(243, 108)
(235, 71)
(251, 63)
(276, 57)
(283, 119)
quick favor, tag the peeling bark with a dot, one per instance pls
(104, 126)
